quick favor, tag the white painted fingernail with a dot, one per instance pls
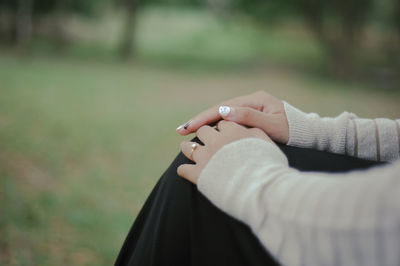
(179, 128)
(224, 110)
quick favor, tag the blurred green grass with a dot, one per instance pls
(83, 141)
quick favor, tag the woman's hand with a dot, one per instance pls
(259, 110)
(213, 139)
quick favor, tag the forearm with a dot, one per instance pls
(373, 139)
(297, 216)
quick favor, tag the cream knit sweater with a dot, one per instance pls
(305, 218)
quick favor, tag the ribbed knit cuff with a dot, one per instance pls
(312, 131)
(300, 130)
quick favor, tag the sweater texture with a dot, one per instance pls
(305, 218)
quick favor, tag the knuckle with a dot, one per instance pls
(230, 123)
(183, 144)
(224, 123)
(220, 123)
(257, 130)
(202, 129)
(260, 93)
(246, 114)
(180, 170)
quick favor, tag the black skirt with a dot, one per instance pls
(179, 226)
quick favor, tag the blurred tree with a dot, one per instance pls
(126, 49)
(24, 24)
(397, 23)
(272, 11)
(397, 15)
(337, 24)
(61, 11)
(7, 20)
(18, 18)
(131, 8)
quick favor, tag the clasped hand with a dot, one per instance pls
(258, 115)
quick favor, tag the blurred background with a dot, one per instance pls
(91, 93)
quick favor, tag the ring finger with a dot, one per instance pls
(190, 149)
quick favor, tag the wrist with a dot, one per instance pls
(297, 125)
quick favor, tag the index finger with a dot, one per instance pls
(212, 115)
(206, 117)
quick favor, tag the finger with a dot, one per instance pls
(227, 125)
(256, 131)
(206, 133)
(189, 172)
(207, 117)
(259, 133)
(271, 124)
(245, 116)
(190, 149)
(212, 115)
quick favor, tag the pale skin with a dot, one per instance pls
(258, 115)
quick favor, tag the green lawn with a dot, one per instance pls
(83, 141)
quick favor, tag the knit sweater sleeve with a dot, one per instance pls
(373, 139)
(307, 218)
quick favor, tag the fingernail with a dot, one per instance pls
(187, 125)
(179, 128)
(224, 110)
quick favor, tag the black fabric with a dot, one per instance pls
(179, 226)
